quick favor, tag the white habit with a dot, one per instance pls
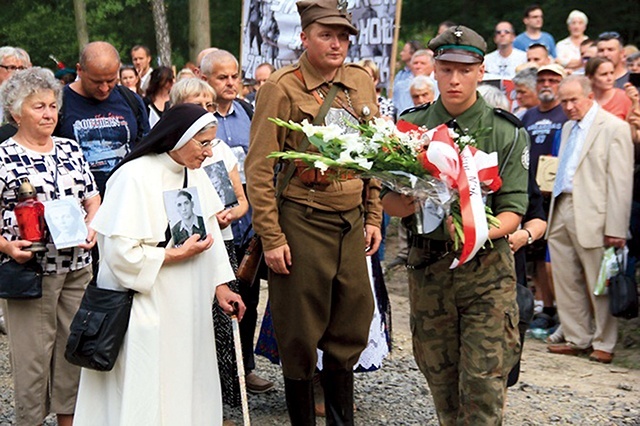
(166, 372)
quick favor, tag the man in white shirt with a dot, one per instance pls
(503, 62)
(141, 58)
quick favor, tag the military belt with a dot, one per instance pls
(435, 250)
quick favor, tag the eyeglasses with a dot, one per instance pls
(609, 35)
(12, 67)
(548, 80)
(207, 144)
(500, 32)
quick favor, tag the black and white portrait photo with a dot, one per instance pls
(184, 213)
(219, 177)
(65, 221)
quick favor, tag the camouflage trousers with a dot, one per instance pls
(465, 336)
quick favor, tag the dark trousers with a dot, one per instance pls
(326, 301)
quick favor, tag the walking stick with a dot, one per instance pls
(240, 364)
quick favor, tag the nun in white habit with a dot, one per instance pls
(166, 372)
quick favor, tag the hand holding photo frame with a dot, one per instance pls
(65, 221)
(185, 214)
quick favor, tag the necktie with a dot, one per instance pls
(561, 175)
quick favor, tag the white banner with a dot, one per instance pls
(271, 33)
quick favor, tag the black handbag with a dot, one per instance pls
(98, 328)
(623, 296)
(21, 280)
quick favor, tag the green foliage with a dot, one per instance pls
(48, 27)
(420, 19)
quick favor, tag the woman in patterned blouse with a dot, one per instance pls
(38, 328)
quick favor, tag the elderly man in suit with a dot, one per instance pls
(589, 211)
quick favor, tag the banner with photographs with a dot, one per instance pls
(271, 33)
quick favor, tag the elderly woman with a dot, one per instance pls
(196, 91)
(568, 49)
(38, 328)
(600, 71)
(166, 371)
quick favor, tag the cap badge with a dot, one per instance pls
(342, 5)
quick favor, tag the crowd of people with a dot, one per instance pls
(564, 120)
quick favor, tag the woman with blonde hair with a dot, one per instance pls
(568, 49)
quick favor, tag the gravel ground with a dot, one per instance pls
(553, 389)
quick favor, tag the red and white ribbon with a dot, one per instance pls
(466, 171)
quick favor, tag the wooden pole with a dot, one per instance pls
(240, 364)
(394, 48)
(241, 37)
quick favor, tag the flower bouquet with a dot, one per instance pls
(442, 169)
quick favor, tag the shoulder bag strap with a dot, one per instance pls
(304, 144)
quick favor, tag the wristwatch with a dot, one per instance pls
(530, 239)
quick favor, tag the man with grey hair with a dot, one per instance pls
(525, 82)
(422, 90)
(220, 69)
(543, 123)
(104, 118)
(589, 212)
(421, 64)
(12, 59)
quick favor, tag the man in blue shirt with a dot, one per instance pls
(103, 119)
(220, 69)
(533, 20)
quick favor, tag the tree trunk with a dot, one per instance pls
(80, 11)
(163, 39)
(199, 28)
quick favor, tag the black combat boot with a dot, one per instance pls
(338, 397)
(300, 403)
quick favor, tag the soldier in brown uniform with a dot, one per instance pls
(316, 235)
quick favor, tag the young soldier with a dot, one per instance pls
(315, 237)
(464, 320)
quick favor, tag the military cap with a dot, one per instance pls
(459, 44)
(326, 12)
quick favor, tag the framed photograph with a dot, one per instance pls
(219, 177)
(65, 221)
(184, 211)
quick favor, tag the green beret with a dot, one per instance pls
(459, 44)
(325, 12)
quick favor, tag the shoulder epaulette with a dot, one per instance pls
(508, 116)
(355, 65)
(278, 74)
(416, 108)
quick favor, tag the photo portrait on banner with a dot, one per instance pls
(271, 33)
